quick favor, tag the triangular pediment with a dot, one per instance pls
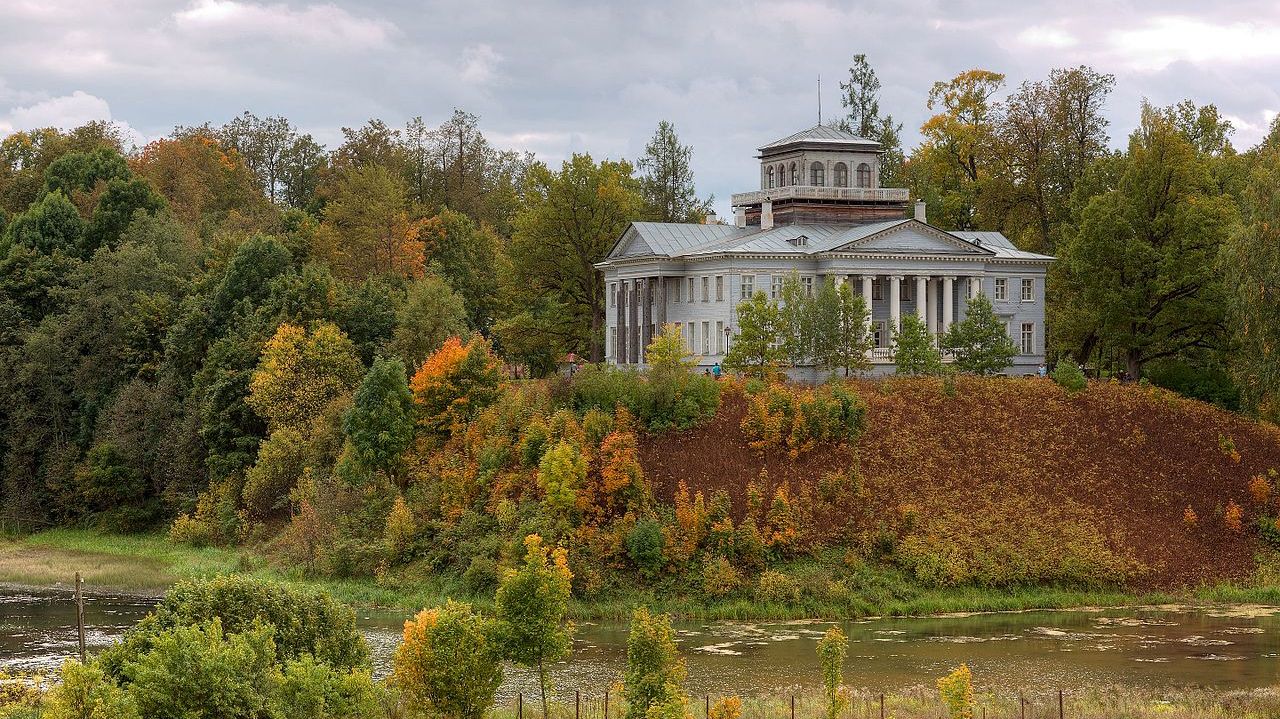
(912, 238)
(631, 244)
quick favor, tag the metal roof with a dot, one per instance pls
(679, 239)
(821, 134)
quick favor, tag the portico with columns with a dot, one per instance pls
(695, 275)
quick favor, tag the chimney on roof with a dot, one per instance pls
(740, 216)
(711, 218)
(920, 210)
(766, 214)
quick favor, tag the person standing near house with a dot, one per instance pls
(715, 370)
(1042, 370)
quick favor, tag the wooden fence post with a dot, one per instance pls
(793, 706)
(1022, 702)
(519, 705)
(577, 704)
(706, 706)
(80, 614)
(882, 706)
(1061, 712)
(606, 704)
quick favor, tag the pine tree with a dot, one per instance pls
(667, 179)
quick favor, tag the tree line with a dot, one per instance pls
(142, 290)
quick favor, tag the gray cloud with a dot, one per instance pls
(556, 76)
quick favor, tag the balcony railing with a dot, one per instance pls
(812, 192)
(884, 355)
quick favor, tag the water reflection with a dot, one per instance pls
(1234, 647)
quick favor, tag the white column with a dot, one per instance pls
(867, 281)
(922, 291)
(931, 306)
(975, 286)
(948, 310)
(895, 303)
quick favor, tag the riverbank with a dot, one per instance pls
(148, 564)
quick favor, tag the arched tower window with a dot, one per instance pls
(770, 177)
(794, 179)
(842, 175)
(817, 175)
(864, 175)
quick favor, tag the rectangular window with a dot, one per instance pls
(775, 288)
(719, 288)
(706, 338)
(906, 290)
(882, 336)
(877, 289)
(613, 294)
(719, 338)
(609, 341)
(691, 295)
(807, 284)
(1028, 338)
(675, 291)
(1002, 288)
(1028, 290)
(748, 286)
(690, 338)
(706, 289)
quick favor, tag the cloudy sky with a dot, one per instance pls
(556, 76)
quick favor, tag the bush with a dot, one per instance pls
(956, 691)
(800, 419)
(719, 577)
(189, 530)
(85, 692)
(1068, 374)
(644, 545)
(304, 621)
(777, 588)
(309, 689)
(481, 576)
(667, 400)
(450, 662)
(655, 670)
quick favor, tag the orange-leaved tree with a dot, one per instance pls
(454, 384)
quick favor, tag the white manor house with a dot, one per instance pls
(820, 212)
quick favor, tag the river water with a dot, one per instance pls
(1234, 647)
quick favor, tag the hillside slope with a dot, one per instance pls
(1013, 481)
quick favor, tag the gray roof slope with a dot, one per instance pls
(998, 243)
(821, 133)
(680, 239)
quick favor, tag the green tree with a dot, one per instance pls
(450, 662)
(832, 650)
(914, 351)
(861, 97)
(310, 689)
(52, 224)
(841, 336)
(561, 473)
(956, 159)
(1140, 271)
(655, 672)
(367, 229)
(82, 171)
(468, 257)
(980, 341)
(755, 348)
(666, 179)
(531, 604)
(430, 314)
(1250, 264)
(381, 420)
(567, 223)
(301, 371)
(116, 208)
(796, 321)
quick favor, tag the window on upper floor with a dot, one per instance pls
(794, 177)
(906, 290)
(719, 288)
(782, 175)
(690, 293)
(748, 286)
(864, 175)
(706, 289)
(842, 175)
(817, 175)
(1028, 290)
(613, 294)
(675, 291)
(770, 185)
(877, 289)
(1002, 288)
(807, 284)
(775, 287)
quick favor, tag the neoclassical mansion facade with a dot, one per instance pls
(819, 213)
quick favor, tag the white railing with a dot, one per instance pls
(812, 192)
(884, 355)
